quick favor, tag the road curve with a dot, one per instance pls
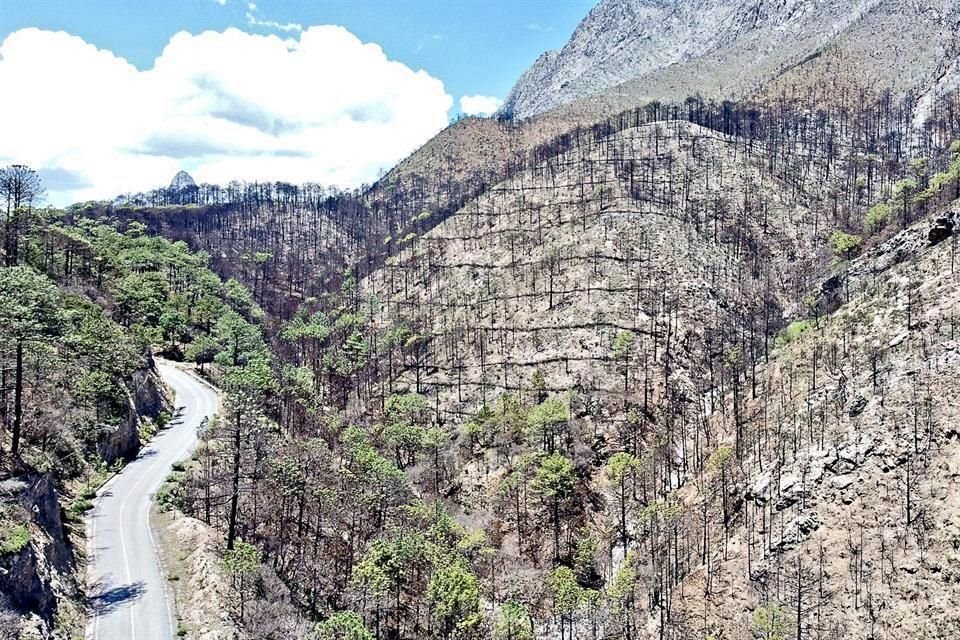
(128, 590)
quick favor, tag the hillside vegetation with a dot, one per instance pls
(83, 307)
(654, 377)
(649, 364)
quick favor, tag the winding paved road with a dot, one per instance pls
(129, 589)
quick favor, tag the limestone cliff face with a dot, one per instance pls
(40, 595)
(734, 46)
(146, 399)
(37, 580)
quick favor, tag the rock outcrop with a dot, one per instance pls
(145, 399)
(181, 181)
(39, 590)
(36, 577)
(660, 49)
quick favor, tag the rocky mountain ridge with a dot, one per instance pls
(654, 49)
(624, 370)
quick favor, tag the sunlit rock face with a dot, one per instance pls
(658, 49)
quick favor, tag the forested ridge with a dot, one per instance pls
(83, 309)
(606, 388)
(685, 371)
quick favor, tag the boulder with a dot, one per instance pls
(941, 230)
(841, 482)
(857, 405)
(798, 530)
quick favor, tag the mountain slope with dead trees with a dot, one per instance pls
(681, 368)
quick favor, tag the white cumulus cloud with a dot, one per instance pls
(254, 21)
(479, 105)
(273, 24)
(322, 107)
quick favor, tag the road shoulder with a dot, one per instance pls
(190, 558)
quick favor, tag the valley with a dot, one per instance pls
(129, 594)
(666, 348)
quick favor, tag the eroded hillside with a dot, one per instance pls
(628, 301)
(836, 504)
(576, 377)
(656, 236)
(626, 369)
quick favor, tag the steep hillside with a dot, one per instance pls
(285, 242)
(658, 234)
(629, 51)
(840, 512)
(622, 369)
(625, 305)
(821, 57)
(553, 382)
(82, 307)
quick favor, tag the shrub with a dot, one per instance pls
(342, 625)
(170, 495)
(845, 244)
(770, 622)
(793, 331)
(13, 538)
(78, 508)
(513, 623)
(877, 217)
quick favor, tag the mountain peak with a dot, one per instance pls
(182, 180)
(659, 50)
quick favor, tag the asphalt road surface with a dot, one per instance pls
(129, 597)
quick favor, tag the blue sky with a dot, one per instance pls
(473, 46)
(117, 96)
